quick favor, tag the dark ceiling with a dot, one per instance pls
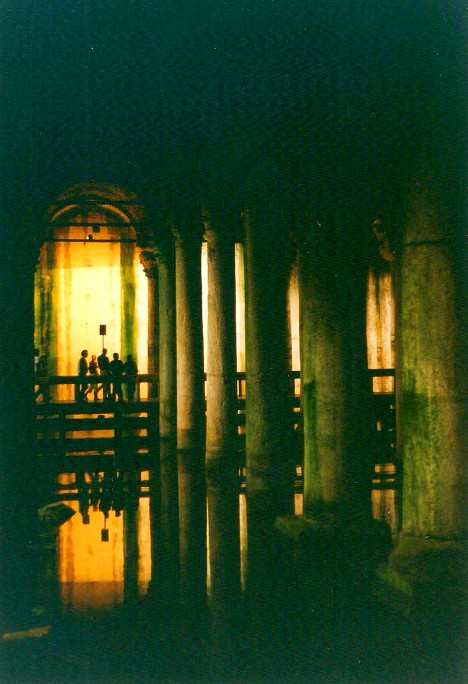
(211, 100)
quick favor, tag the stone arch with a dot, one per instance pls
(119, 216)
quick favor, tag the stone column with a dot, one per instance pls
(167, 346)
(190, 418)
(270, 469)
(150, 267)
(190, 372)
(335, 387)
(338, 456)
(434, 364)
(18, 465)
(221, 393)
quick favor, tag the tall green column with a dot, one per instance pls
(270, 468)
(168, 476)
(221, 394)
(434, 365)
(167, 344)
(335, 386)
(190, 371)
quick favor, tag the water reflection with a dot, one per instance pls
(115, 607)
(124, 539)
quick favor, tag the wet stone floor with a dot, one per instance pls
(122, 586)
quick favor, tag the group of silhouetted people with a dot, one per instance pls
(111, 374)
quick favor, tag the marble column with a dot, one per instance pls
(221, 393)
(167, 347)
(270, 467)
(434, 365)
(190, 371)
(190, 418)
(335, 386)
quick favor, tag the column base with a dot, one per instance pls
(334, 543)
(424, 576)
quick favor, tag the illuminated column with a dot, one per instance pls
(270, 468)
(434, 364)
(168, 477)
(221, 394)
(335, 392)
(150, 267)
(167, 346)
(190, 372)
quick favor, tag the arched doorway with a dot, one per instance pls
(89, 275)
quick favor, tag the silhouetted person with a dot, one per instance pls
(41, 366)
(41, 372)
(93, 371)
(104, 363)
(82, 373)
(131, 371)
(116, 370)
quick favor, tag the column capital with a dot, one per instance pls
(189, 235)
(148, 259)
(385, 249)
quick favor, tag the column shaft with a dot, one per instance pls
(221, 396)
(268, 411)
(434, 365)
(167, 351)
(153, 328)
(335, 391)
(190, 372)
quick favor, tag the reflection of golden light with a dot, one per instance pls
(144, 544)
(91, 572)
(243, 539)
(85, 559)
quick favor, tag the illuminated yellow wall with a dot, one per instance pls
(380, 326)
(80, 288)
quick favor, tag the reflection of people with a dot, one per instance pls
(131, 371)
(116, 370)
(82, 373)
(103, 363)
(93, 371)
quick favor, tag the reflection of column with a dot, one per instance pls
(190, 372)
(224, 563)
(150, 268)
(130, 541)
(192, 545)
(270, 468)
(221, 396)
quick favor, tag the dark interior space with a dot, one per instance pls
(263, 203)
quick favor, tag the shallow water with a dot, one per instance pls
(136, 586)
